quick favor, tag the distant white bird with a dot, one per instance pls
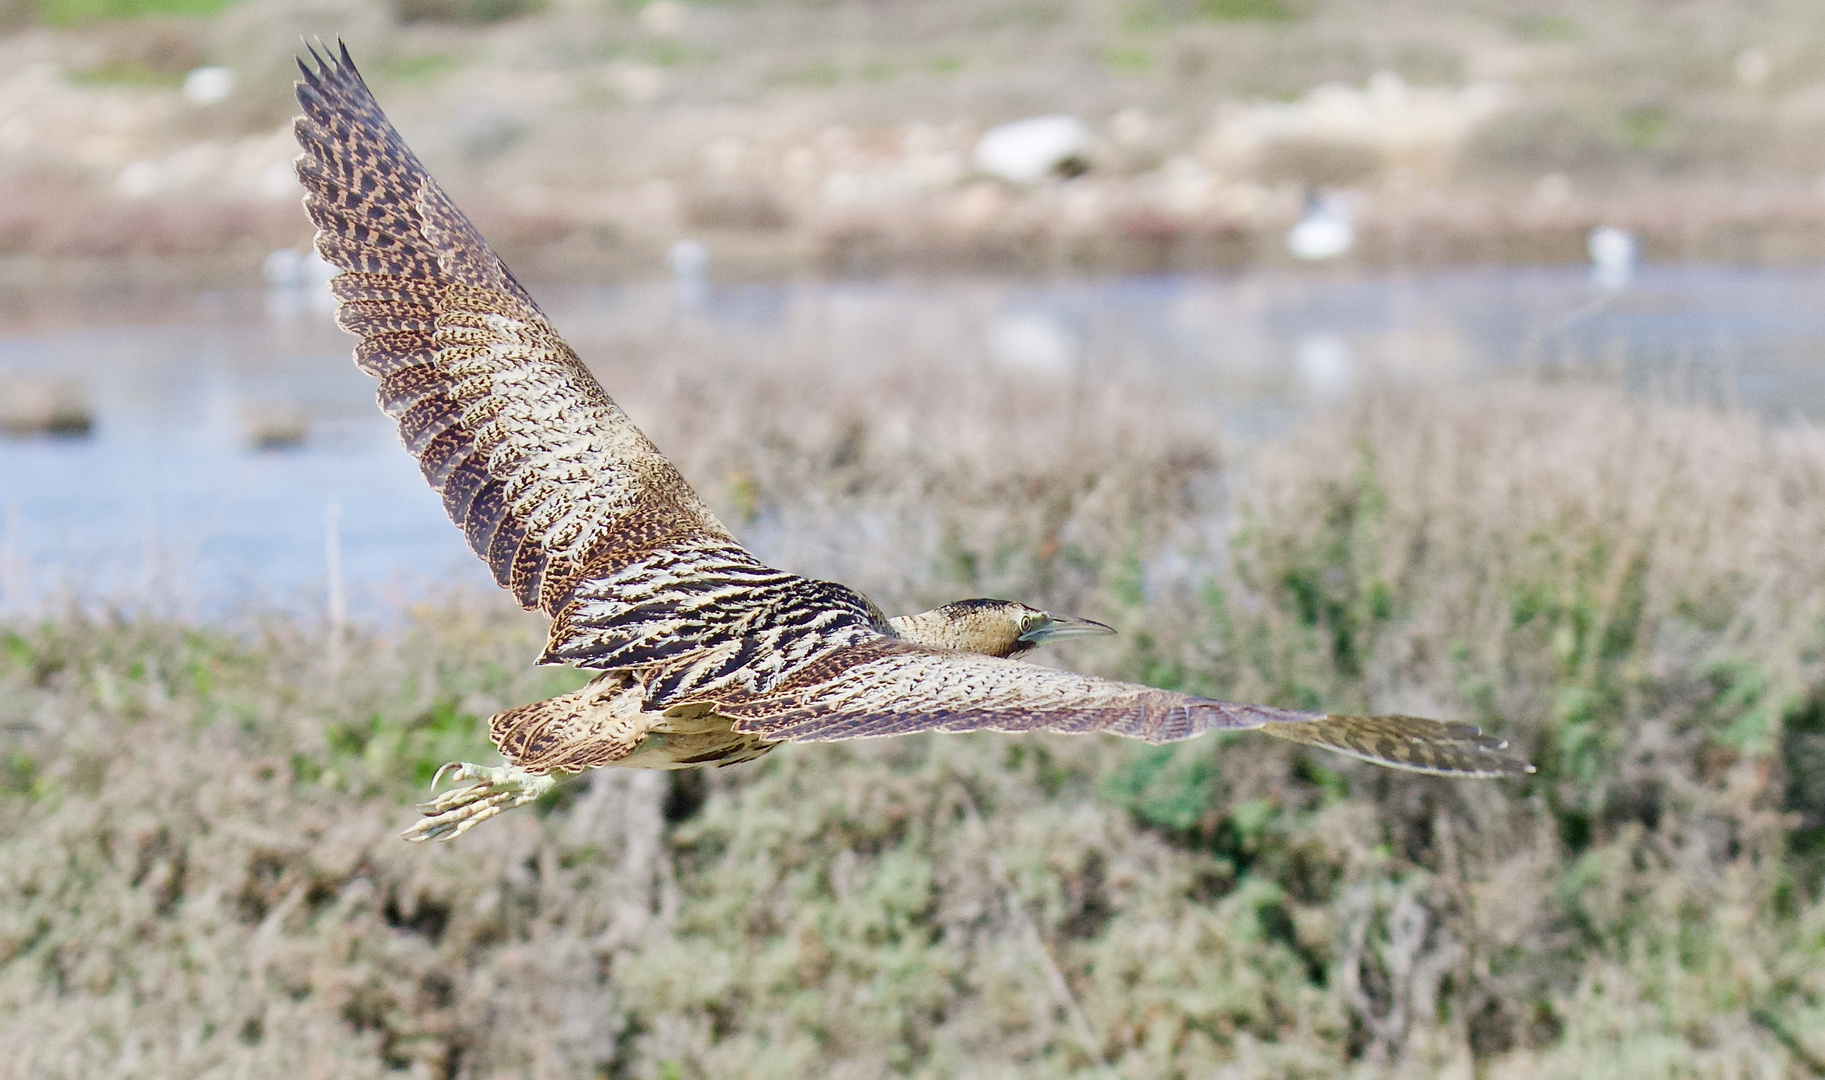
(1027, 151)
(1614, 253)
(1326, 231)
(689, 262)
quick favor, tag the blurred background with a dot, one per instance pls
(1269, 204)
(1463, 359)
(585, 136)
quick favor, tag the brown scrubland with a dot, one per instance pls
(199, 874)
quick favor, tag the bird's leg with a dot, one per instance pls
(460, 809)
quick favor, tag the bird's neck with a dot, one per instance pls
(942, 629)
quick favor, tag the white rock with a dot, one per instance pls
(208, 85)
(1027, 151)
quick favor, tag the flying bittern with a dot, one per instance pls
(707, 656)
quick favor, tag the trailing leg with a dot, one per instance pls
(586, 729)
(460, 809)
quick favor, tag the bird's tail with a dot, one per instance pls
(1407, 742)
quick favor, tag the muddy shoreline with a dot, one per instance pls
(227, 254)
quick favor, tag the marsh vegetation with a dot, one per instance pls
(198, 873)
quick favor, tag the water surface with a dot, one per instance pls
(169, 498)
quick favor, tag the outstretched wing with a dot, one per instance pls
(549, 480)
(1412, 743)
(885, 687)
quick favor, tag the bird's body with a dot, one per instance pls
(707, 656)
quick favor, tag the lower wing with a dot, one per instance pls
(887, 687)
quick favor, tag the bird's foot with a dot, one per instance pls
(460, 809)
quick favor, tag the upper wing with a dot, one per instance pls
(549, 480)
(885, 687)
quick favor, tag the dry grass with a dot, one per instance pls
(198, 875)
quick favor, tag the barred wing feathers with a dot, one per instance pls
(549, 480)
(885, 687)
(1412, 743)
(580, 516)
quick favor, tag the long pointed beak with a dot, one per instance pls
(1057, 627)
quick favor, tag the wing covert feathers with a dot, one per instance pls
(549, 480)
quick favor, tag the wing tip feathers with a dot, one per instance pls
(327, 67)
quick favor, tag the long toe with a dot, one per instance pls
(458, 810)
(454, 798)
(453, 823)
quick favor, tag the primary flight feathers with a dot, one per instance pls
(708, 656)
(548, 479)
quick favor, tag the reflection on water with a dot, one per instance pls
(230, 430)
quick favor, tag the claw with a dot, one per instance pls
(460, 809)
(439, 774)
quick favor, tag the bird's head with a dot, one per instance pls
(991, 627)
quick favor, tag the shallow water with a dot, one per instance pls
(168, 501)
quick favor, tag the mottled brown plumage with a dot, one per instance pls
(707, 655)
